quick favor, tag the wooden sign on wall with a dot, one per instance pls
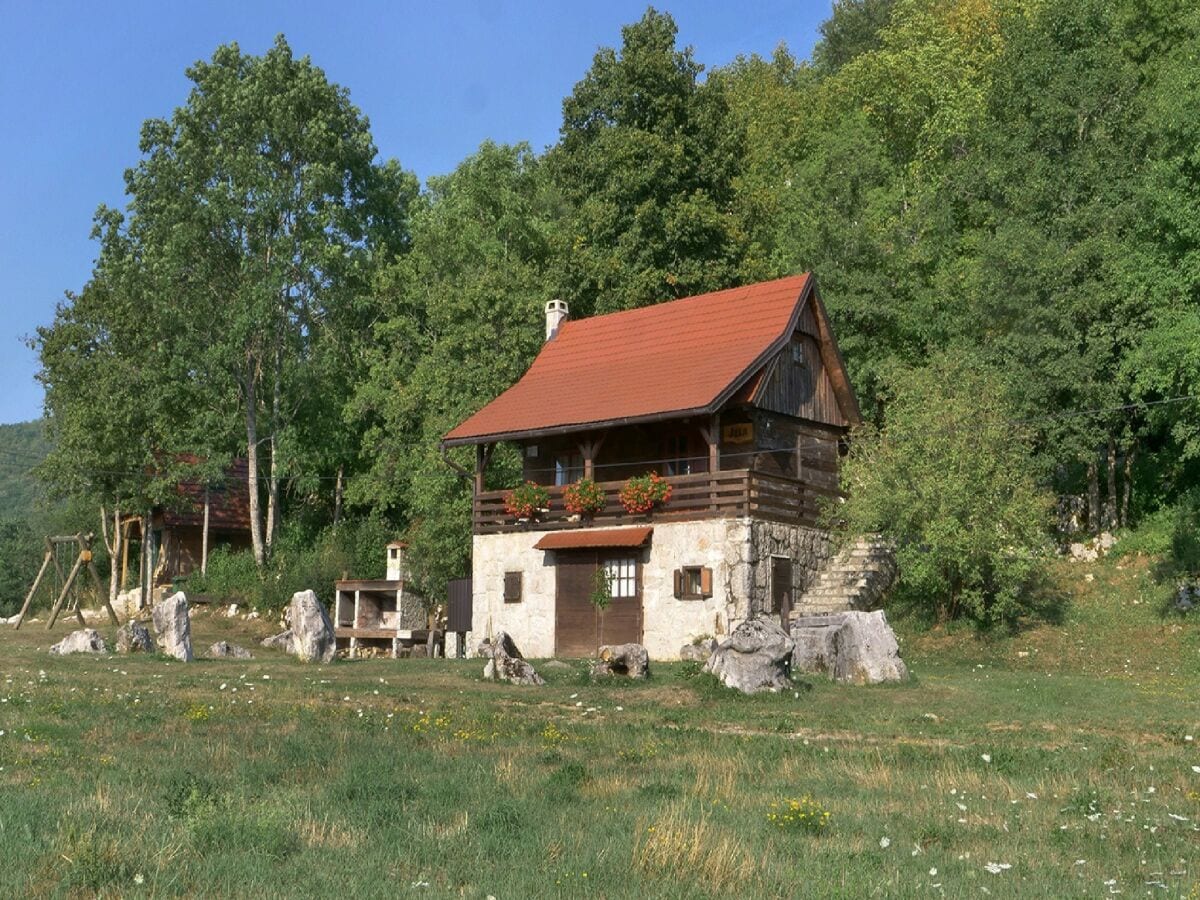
(739, 433)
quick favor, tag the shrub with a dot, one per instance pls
(526, 500)
(583, 498)
(642, 493)
(950, 482)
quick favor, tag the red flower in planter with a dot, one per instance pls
(642, 493)
(583, 498)
(526, 501)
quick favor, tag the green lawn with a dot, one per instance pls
(1063, 754)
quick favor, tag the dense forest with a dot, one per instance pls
(1004, 188)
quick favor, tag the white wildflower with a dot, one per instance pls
(986, 757)
(997, 868)
(885, 842)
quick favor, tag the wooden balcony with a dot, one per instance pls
(725, 494)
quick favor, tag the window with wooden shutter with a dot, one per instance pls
(512, 587)
(693, 583)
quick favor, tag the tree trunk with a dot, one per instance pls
(256, 534)
(147, 574)
(273, 478)
(204, 534)
(1127, 484)
(337, 497)
(113, 547)
(1110, 500)
(1093, 481)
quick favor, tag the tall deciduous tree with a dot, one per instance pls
(646, 162)
(259, 212)
(463, 321)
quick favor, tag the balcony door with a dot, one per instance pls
(579, 628)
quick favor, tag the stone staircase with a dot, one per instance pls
(858, 578)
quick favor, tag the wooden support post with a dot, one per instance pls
(66, 588)
(483, 456)
(589, 450)
(36, 584)
(85, 556)
(712, 436)
(86, 547)
(124, 553)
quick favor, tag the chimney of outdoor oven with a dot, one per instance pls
(396, 570)
(556, 314)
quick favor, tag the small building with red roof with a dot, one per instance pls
(675, 457)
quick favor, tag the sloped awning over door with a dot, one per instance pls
(595, 538)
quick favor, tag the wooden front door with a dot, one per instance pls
(781, 588)
(578, 627)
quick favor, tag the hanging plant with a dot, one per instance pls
(527, 500)
(642, 493)
(583, 498)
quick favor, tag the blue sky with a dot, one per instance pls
(78, 79)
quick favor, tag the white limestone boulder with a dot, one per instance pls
(851, 647)
(173, 627)
(85, 640)
(629, 660)
(312, 632)
(505, 662)
(134, 637)
(755, 657)
(226, 650)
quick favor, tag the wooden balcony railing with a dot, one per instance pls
(732, 493)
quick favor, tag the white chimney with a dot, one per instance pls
(556, 314)
(396, 570)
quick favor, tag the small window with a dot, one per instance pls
(512, 587)
(693, 583)
(622, 576)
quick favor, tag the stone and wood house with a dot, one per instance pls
(738, 398)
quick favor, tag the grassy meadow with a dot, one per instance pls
(1063, 761)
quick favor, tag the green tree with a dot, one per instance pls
(260, 214)
(462, 321)
(645, 162)
(949, 480)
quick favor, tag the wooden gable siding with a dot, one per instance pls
(799, 389)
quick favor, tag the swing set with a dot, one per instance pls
(57, 548)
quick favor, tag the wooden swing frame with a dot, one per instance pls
(82, 560)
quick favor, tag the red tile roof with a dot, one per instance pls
(595, 537)
(686, 356)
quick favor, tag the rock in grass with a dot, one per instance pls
(282, 641)
(755, 657)
(506, 663)
(134, 637)
(226, 650)
(312, 632)
(698, 652)
(173, 627)
(557, 665)
(630, 660)
(852, 647)
(85, 640)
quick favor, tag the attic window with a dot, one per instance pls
(798, 353)
(693, 583)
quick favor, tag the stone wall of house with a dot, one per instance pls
(807, 548)
(738, 551)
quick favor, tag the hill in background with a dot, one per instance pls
(22, 447)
